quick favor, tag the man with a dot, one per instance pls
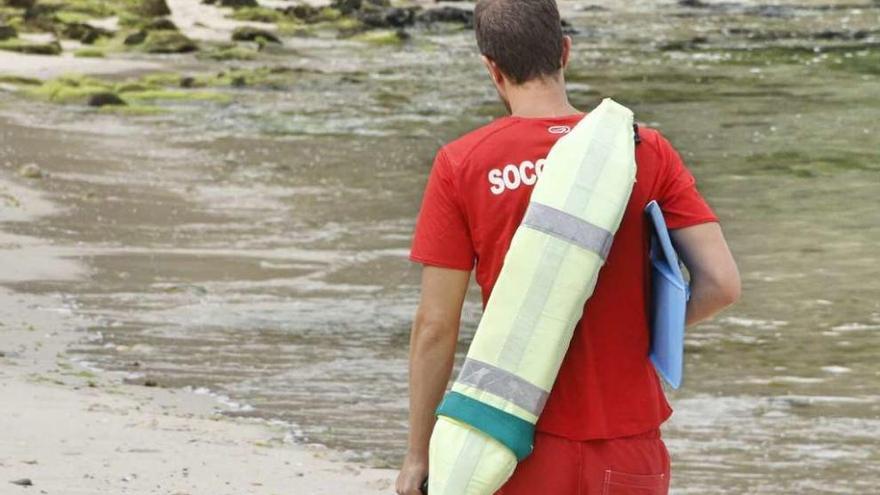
(599, 432)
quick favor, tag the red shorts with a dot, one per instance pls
(636, 465)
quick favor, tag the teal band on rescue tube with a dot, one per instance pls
(514, 433)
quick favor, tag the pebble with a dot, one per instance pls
(23, 482)
(31, 171)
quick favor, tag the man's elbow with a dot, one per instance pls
(727, 287)
(730, 291)
(429, 331)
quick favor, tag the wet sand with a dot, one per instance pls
(71, 431)
(74, 430)
(47, 67)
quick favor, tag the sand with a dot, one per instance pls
(48, 66)
(207, 22)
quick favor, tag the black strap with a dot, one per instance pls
(636, 133)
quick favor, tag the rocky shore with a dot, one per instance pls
(92, 28)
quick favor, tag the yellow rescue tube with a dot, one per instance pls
(485, 424)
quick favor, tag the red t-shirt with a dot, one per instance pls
(476, 196)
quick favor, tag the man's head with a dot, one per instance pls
(521, 42)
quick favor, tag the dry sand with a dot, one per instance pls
(70, 431)
(47, 67)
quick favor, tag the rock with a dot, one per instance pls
(84, 33)
(231, 53)
(395, 17)
(135, 38)
(693, 3)
(680, 45)
(151, 383)
(21, 46)
(187, 82)
(31, 171)
(21, 4)
(104, 99)
(235, 4)
(567, 28)
(302, 11)
(771, 11)
(248, 33)
(168, 42)
(160, 24)
(383, 36)
(447, 14)
(346, 6)
(7, 32)
(154, 8)
(829, 34)
(23, 482)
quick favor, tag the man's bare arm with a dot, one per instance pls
(432, 352)
(715, 282)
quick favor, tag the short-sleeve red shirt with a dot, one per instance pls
(476, 196)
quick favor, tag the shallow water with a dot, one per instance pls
(257, 249)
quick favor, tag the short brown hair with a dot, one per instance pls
(523, 37)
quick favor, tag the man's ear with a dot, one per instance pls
(494, 72)
(566, 50)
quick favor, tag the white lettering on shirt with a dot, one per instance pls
(512, 176)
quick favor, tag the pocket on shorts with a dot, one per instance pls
(619, 483)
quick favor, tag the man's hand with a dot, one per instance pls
(432, 351)
(412, 475)
(715, 280)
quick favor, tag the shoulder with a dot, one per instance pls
(652, 142)
(655, 152)
(460, 149)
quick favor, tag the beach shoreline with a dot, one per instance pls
(71, 429)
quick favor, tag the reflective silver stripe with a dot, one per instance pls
(569, 228)
(504, 384)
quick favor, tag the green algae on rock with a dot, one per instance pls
(153, 8)
(168, 42)
(7, 32)
(249, 33)
(20, 80)
(225, 53)
(30, 47)
(89, 53)
(258, 14)
(74, 89)
(382, 37)
(70, 89)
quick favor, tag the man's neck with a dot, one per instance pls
(540, 98)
